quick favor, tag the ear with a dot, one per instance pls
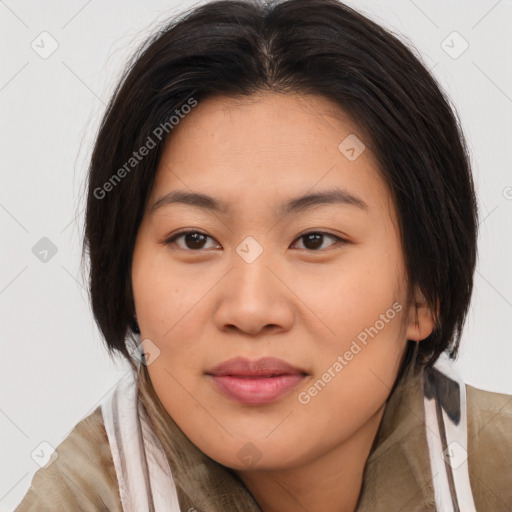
(420, 320)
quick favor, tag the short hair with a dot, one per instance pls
(235, 48)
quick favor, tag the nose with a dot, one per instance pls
(254, 298)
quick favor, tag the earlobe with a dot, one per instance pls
(420, 321)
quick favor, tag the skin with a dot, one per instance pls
(201, 306)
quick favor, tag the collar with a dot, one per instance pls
(397, 473)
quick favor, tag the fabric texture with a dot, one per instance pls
(397, 474)
(143, 473)
(82, 477)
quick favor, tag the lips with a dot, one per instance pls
(256, 382)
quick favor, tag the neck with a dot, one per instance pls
(330, 483)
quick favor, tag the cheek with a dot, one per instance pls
(336, 407)
(165, 298)
(353, 294)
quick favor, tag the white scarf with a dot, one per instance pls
(143, 472)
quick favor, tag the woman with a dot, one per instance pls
(281, 225)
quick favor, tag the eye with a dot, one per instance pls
(314, 239)
(194, 240)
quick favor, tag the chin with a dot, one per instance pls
(258, 455)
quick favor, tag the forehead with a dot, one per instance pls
(267, 146)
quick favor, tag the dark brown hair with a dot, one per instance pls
(236, 48)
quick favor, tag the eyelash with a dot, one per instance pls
(182, 234)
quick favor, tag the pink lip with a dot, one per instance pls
(255, 382)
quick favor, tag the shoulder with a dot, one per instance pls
(489, 417)
(79, 476)
(490, 448)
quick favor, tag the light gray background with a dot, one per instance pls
(54, 367)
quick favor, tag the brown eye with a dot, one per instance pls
(314, 240)
(193, 240)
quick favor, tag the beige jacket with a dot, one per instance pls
(397, 476)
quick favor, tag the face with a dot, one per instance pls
(253, 273)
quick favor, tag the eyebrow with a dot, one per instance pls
(297, 204)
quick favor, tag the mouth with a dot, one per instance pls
(255, 382)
